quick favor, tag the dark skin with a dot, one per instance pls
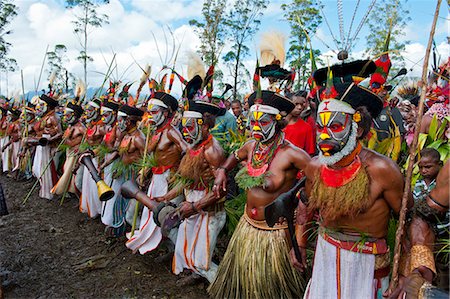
(429, 168)
(284, 167)
(131, 145)
(74, 135)
(420, 232)
(385, 194)
(236, 107)
(167, 144)
(49, 124)
(13, 131)
(214, 157)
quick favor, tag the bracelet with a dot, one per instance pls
(421, 255)
(236, 156)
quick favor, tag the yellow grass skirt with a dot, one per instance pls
(256, 265)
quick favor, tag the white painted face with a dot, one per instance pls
(192, 129)
(156, 114)
(41, 108)
(262, 125)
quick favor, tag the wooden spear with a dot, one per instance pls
(412, 155)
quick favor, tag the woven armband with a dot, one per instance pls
(236, 156)
(421, 255)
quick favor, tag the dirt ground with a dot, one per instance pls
(48, 250)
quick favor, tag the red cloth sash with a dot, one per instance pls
(378, 247)
(161, 169)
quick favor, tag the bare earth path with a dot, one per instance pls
(53, 251)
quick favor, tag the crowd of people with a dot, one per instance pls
(161, 170)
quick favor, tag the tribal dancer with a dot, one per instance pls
(13, 144)
(203, 213)
(129, 149)
(27, 122)
(106, 152)
(89, 201)
(4, 138)
(48, 130)
(256, 263)
(166, 147)
(71, 179)
(354, 191)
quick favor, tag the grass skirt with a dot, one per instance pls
(256, 265)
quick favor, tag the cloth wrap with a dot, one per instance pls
(256, 264)
(197, 238)
(344, 273)
(149, 235)
(47, 175)
(89, 201)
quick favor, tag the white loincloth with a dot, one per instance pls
(148, 237)
(115, 184)
(89, 201)
(43, 168)
(5, 154)
(197, 237)
(67, 181)
(15, 160)
(356, 279)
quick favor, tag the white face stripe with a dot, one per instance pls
(333, 105)
(105, 109)
(157, 102)
(94, 104)
(192, 114)
(264, 108)
(69, 110)
(120, 113)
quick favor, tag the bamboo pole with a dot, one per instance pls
(412, 154)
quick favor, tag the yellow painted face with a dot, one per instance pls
(262, 125)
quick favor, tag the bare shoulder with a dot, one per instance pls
(295, 151)
(380, 166)
(214, 153)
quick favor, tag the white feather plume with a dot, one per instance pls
(80, 89)
(195, 66)
(146, 73)
(35, 100)
(272, 47)
(52, 78)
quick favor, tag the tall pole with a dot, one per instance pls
(412, 155)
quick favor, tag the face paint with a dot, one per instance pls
(333, 131)
(191, 129)
(108, 117)
(336, 136)
(262, 126)
(69, 117)
(155, 115)
(122, 123)
(41, 108)
(91, 113)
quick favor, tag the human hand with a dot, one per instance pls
(220, 183)
(299, 265)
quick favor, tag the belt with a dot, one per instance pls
(377, 247)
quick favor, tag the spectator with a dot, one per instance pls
(298, 132)
(429, 166)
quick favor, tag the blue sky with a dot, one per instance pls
(129, 35)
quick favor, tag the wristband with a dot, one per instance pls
(193, 207)
(421, 255)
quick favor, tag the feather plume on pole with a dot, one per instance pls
(272, 48)
(51, 80)
(411, 158)
(195, 66)
(143, 80)
(80, 91)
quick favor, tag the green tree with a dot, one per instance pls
(302, 15)
(7, 13)
(241, 23)
(87, 19)
(387, 13)
(8, 65)
(211, 31)
(56, 61)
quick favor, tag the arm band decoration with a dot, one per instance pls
(236, 156)
(421, 255)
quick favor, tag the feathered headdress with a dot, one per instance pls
(80, 91)
(144, 78)
(195, 66)
(272, 48)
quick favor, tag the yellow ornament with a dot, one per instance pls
(357, 117)
(278, 116)
(200, 121)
